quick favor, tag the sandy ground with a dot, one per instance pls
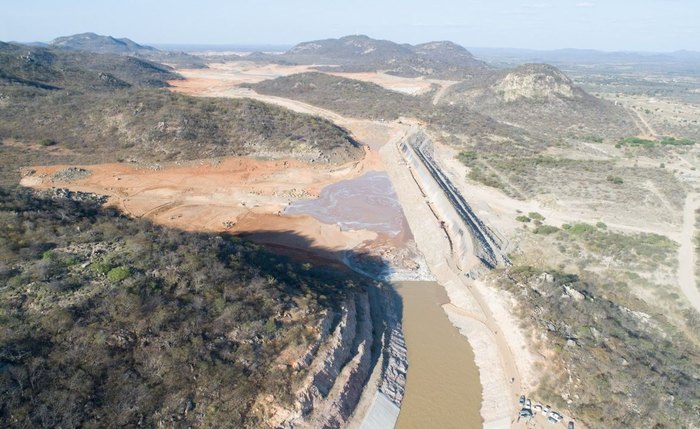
(239, 195)
(225, 75)
(238, 72)
(406, 85)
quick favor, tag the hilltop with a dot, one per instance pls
(361, 53)
(543, 100)
(100, 44)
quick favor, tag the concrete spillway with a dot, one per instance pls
(467, 233)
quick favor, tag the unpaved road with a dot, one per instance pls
(441, 92)
(686, 253)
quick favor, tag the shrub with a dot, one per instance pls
(118, 274)
(535, 216)
(581, 228)
(522, 218)
(546, 229)
(615, 180)
(467, 156)
(100, 267)
(47, 142)
(601, 225)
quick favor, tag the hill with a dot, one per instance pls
(113, 321)
(359, 99)
(157, 126)
(543, 100)
(92, 42)
(96, 43)
(59, 106)
(50, 68)
(361, 53)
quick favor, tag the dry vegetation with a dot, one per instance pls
(602, 185)
(106, 320)
(152, 125)
(359, 99)
(603, 306)
(613, 360)
(111, 321)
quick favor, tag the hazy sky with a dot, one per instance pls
(649, 25)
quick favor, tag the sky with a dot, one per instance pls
(638, 25)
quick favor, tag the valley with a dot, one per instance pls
(555, 254)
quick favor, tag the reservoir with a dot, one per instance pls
(442, 383)
(366, 202)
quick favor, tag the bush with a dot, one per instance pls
(522, 218)
(546, 229)
(47, 142)
(535, 216)
(615, 180)
(118, 274)
(467, 156)
(581, 228)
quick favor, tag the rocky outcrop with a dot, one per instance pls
(337, 366)
(363, 338)
(394, 357)
(543, 100)
(536, 81)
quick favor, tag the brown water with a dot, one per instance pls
(442, 384)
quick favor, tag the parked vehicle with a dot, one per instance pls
(525, 412)
(554, 417)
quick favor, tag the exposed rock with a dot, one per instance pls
(70, 174)
(339, 364)
(536, 81)
(63, 193)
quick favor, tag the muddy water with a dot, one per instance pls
(442, 384)
(367, 202)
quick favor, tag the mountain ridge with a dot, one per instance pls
(361, 53)
(101, 44)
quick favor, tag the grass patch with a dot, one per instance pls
(118, 274)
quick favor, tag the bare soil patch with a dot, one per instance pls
(238, 195)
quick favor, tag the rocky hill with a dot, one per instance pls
(50, 68)
(359, 99)
(60, 106)
(92, 42)
(361, 53)
(96, 43)
(541, 99)
(113, 321)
